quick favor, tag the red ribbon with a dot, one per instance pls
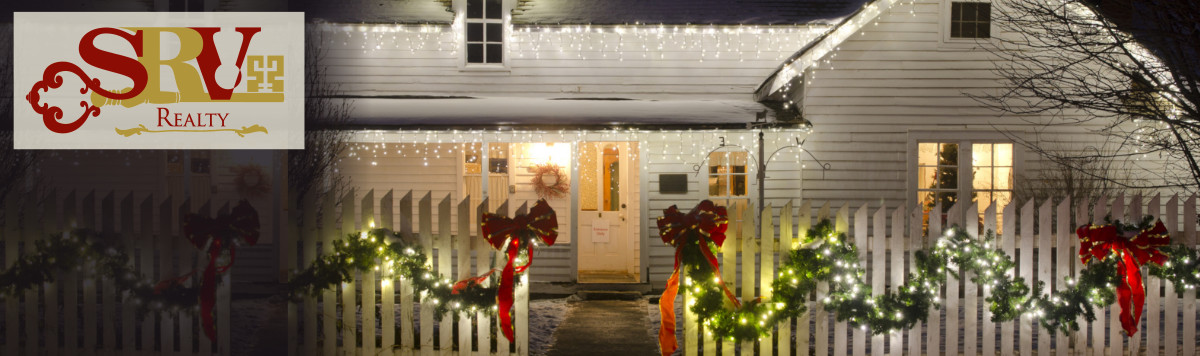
(1133, 250)
(540, 222)
(706, 222)
(219, 234)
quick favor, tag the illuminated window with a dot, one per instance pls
(970, 20)
(485, 32)
(727, 174)
(990, 171)
(992, 176)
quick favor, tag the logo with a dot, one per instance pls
(158, 80)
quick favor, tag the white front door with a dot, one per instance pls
(607, 240)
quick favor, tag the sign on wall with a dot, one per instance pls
(158, 80)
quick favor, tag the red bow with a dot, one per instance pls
(541, 222)
(218, 233)
(1133, 250)
(706, 222)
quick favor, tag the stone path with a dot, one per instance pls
(604, 327)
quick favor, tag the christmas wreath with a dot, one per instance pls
(250, 181)
(549, 181)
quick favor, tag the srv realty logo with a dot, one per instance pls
(159, 80)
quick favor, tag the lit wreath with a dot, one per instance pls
(548, 190)
(250, 181)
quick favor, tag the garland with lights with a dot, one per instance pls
(102, 256)
(828, 256)
(549, 190)
(398, 256)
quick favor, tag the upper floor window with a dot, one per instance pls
(727, 174)
(970, 20)
(186, 5)
(485, 32)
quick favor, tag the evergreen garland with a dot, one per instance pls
(830, 257)
(394, 256)
(96, 257)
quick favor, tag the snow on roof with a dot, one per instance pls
(378, 11)
(481, 113)
(719, 12)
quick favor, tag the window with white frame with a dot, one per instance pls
(485, 32)
(989, 172)
(970, 19)
(727, 180)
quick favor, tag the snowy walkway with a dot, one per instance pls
(604, 327)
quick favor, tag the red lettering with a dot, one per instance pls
(113, 62)
(209, 60)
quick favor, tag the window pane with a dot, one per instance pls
(588, 192)
(611, 190)
(947, 178)
(714, 185)
(984, 30)
(983, 12)
(738, 159)
(474, 53)
(982, 179)
(926, 199)
(717, 159)
(968, 11)
(955, 29)
(495, 53)
(968, 30)
(981, 154)
(1003, 178)
(493, 9)
(927, 153)
(739, 184)
(948, 154)
(474, 8)
(495, 32)
(947, 199)
(983, 199)
(927, 177)
(956, 11)
(1004, 154)
(722, 186)
(474, 32)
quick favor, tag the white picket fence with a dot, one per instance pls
(79, 314)
(962, 326)
(374, 315)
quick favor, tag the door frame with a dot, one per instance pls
(635, 215)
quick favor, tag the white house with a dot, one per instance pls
(648, 104)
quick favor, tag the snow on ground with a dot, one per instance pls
(248, 316)
(545, 315)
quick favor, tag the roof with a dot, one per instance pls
(377, 11)
(552, 113)
(717, 12)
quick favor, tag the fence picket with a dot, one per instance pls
(915, 224)
(748, 252)
(1153, 331)
(878, 267)
(935, 331)
(857, 344)
(203, 344)
(463, 246)
(387, 283)
(970, 292)
(11, 253)
(407, 323)
(1189, 297)
(1064, 260)
(128, 238)
(896, 245)
(1008, 243)
(1102, 321)
(784, 329)
(88, 215)
(729, 253)
(988, 327)
(308, 244)
(482, 249)
(52, 222)
(1171, 302)
(444, 260)
(425, 226)
(766, 274)
(1025, 251)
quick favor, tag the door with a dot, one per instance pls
(607, 239)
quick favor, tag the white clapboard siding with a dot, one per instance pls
(544, 61)
(1044, 251)
(450, 255)
(147, 228)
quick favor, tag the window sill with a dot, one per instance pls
(485, 68)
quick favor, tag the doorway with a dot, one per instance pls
(608, 213)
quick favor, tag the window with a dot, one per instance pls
(485, 32)
(727, 174)
(992, 175)
(970, 20)
(989, 171)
